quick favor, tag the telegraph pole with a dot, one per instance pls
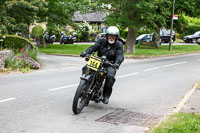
(172, 22)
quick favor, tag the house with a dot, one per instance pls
(94, 19)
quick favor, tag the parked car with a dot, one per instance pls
(165, 35)
(144, 37)
(100, 35)
(192, 38)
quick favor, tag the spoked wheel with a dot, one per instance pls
(80, 99)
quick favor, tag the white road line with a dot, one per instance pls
(151, 69)
(175, 64)
(6, 100)
(64, 87)
(126, 75)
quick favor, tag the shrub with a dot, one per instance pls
(37, 31)
(190, 30)
(16, 42)
(124, 34)
(22, 61)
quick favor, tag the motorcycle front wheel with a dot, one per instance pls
(80, 98)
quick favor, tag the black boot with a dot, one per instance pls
(105, 99)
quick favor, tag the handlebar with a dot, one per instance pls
(87, 57)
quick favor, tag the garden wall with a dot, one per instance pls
(3, 55)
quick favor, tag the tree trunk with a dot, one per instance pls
(130, 43)
(37, 39)
(156, 38)
(45, 44)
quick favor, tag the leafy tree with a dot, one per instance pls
(137, 15)
(18, 15)
(190, 8)
(60, 12)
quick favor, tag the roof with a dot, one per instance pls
(97, 16)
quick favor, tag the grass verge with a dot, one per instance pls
(142, 51)
(180, 123)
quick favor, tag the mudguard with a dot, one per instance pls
(86, 77)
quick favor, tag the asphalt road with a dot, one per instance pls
(41, 101)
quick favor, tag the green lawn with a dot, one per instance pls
(142, 51)
(180, 123)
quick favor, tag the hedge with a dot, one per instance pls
(16, 42)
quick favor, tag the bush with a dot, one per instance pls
(190, 30)
(124, 34)
(37, 31)
(22, 61)
(16, 42)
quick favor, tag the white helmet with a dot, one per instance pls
(112, 30)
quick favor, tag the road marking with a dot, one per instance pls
(64, 87)
(126, 75)
(6, 100)
(175, 64)
(151, 69)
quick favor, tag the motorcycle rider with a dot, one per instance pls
(112, 48)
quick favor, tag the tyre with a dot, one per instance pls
(80, 98)
(194, 40)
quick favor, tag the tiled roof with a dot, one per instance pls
(89, 17)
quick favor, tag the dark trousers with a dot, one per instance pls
(110, 79)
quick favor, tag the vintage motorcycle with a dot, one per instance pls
(91, 84)
(48, 38)
(67, 39)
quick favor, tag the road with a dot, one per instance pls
(144, 92)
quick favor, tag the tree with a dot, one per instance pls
(136, 14)
(60, 12)
(18, 15)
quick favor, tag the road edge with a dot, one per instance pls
(178, 108)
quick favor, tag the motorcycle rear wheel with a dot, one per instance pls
(80, 99)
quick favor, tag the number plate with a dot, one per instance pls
(94, 63)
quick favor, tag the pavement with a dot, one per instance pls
(192, 105)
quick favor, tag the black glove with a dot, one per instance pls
(83, 54)
(116, 66)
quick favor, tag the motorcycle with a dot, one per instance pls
(49, 39)
(91, 84)
(67, 39)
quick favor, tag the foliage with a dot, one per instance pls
(16, 16)
(180, 123)
(83, 32)
(60, 13)
(22, 61)
(37, 31)
(148, 14)
(124, 34)
(17, 42)
(191, 29)
(190, 8)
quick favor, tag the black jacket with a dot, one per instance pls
(113, 52)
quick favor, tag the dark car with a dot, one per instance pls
(192, 38)
(144, 38)
(165, 35)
